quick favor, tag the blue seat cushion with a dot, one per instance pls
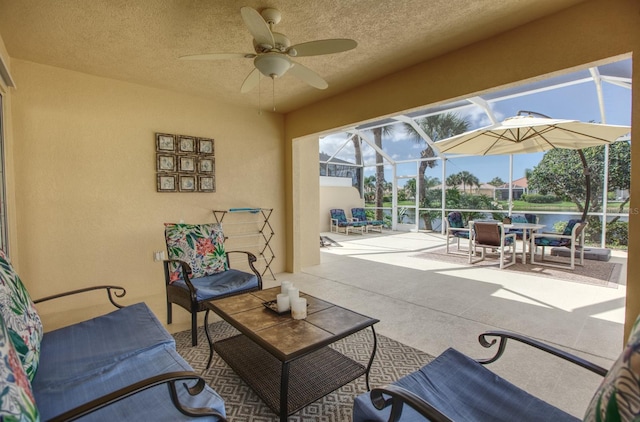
(352, 223)
(464, 390)
(84, 349)
(153, 404)
(224, 283)
(550, 241)
(460, 233)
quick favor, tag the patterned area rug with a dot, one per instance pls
(600, 273)
(393, 360)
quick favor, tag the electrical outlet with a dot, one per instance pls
(158, 256)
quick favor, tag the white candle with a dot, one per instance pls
(294, 293)
(283, 302)
(299, 308)
(285, 286)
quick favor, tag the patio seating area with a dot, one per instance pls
(432, 305)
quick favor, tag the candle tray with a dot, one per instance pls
(272, 305)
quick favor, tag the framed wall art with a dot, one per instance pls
(187, 145)
(166, 163)
(206, 165)
(167, 182)
(185, 163)
(205, 146)
(187, 183)
(206, 184)
(165, 142)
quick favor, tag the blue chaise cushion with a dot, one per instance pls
(464, 390)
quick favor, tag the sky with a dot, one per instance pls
(577, 101)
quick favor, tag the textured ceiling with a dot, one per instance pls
(140, 41)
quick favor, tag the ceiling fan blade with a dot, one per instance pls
(218, 56)
(250, 81)
(308, 76)
(319, 47)
(257, 26)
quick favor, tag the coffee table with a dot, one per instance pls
(288, 362)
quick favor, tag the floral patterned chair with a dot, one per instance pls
(198, 269)
(572, 237)
(359, 214)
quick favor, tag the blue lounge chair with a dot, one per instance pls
(339, 222)
(359, 214)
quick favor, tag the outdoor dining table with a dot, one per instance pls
(526, 228)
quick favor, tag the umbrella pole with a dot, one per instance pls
(587, 181)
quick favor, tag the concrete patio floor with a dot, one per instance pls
(433, 305)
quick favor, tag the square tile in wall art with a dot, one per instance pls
(184, 163)
(206, 184)
(167, 182)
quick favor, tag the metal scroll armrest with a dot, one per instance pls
(397, 397)
(186, 275)
(503, 336)
(116, 291)
(251, 259)
(170, 379)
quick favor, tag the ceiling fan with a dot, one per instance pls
(273, 51)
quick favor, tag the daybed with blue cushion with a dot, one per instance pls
(198, 269)
(118, 366)
(454, 387)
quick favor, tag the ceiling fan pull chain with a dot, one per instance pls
(274, 93)
(259, 94)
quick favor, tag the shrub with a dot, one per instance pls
(535, 198)
(617, 233)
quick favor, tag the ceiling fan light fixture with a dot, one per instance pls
(273, 65)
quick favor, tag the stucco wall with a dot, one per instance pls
(88, 210)
(337, 197)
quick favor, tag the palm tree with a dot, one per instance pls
(369, 187)
(497, 181)
(454, 180)
(410, 188)
(377, 138)
(357, 152)
(437, 127)
(469, 179)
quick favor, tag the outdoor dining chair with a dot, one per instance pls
(491, 235)
(456, 230)
(572, 237)
(359, 214)
(519, 218)
(339, 222)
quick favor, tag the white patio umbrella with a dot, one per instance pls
(524, 134)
